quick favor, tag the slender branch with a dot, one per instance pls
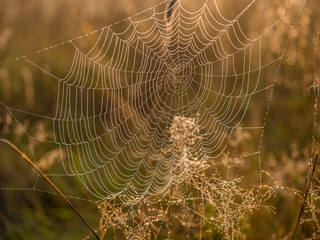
(305, 195)
(49, 181)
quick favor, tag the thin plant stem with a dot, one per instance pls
(305, 195)
(200, 213)
(49, 181)
(169, 213)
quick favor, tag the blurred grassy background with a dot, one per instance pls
(26, 26)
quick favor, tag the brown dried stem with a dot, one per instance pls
(305, 195)
(50, 182)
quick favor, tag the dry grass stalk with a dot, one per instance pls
(305, 195)
(50, 183)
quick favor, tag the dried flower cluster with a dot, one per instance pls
(187, 159)
(133, 221)
(201, 197)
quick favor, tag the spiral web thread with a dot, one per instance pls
(173, 84)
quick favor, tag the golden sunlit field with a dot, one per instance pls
(174, 119)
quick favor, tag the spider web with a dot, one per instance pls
(127, 84)
(119, 97)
